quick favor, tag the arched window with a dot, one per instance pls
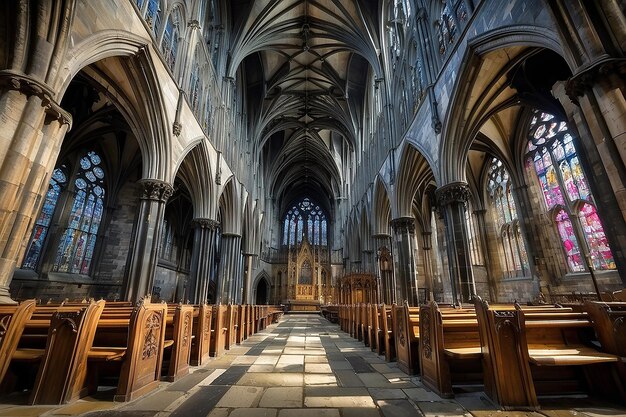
(565, 190)
(153, 15)
(305, 219)
(195, 83)
(474, 237)
(78, 241)
(169, 44)
(446, 29)
(57, 183)
(515, 259)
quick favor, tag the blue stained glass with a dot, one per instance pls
(324, 237)
(95, 158)
(300, 227)
(90, 176)
(81, 183)
(310, 230)
(85, 163)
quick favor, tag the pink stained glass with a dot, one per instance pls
(601, 256)
(568, 180)
(579, 178)
(570, 243)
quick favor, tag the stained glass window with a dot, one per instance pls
(169, 44)
(304, 220)
(78, 241)
(474, 237)
(504, 214)
(153, 15)
(446, 29)
(57, 183)
(553, 157)
(195, 88)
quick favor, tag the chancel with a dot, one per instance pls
(312, 207)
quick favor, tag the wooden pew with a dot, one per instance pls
(138, 359)
(180, 333)
(13, 318)
(609, 321)
(219, 330)
(388, 339)
(241, 324)
(406, 333)
(450, 349)
(530, 351)
(63, 368)
(202, 335)
(372, 327)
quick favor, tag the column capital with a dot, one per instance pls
(587, 77)
(401, 223)
(155, 190)
(204, 223)
(30, 86)
(454, 192)
(381, 236)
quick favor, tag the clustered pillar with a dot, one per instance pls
(452, 199)
(404, 258)
(143, 261)
(230, 284)
(202, 259)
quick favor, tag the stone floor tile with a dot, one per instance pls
(339, 401)
(361, 412)
(498, 413)
(291, 359)
(267, 360)
(387, 393)
(383, 368)
(282, 397)
(347, 378)
(475, 401)
(421, 394)
(240, 397)
(443, 409)
(317, 368)
(26, 411)
(219, 412)
(244, 360)
(288, 368)
(261, 368)
(376, 380)
(320, 379)
(272, 380)
(397, 408)
(155, 402)
(315, 359)
(309, 413)
(253, 412)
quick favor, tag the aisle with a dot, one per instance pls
(303, 367)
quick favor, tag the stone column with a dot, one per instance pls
(230, 260)
(452, 199)
(33, 128)
(202, 259)
(404, 260)
(428, 263)
(386, 280)
(144, 252)
(484, 248)
(247, 295)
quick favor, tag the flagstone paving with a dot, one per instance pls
(304, 367)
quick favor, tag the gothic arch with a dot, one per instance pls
(381, 208)
(413, 171)
(194, 170)
(480, 93)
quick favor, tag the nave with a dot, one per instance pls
(305, 366)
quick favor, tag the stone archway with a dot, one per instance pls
(262, 292)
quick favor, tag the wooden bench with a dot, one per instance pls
(202, 335)
(219, 331)
(386, 332)
(137, 360)
(406, 334)
(179, 330)
(450, 349)
(13, 318)
(372, 327)
(529, 351)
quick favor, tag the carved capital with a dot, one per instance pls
(402, 224)
(206, 223)
(32, 87)
(455, 192)
(177, 128)
(588, 77)
(156, 190)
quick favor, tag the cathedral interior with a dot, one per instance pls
(311, 153)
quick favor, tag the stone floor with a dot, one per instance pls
(303, 367)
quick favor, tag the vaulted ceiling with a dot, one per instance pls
(305, 65)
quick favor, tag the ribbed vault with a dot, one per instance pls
(314, 57)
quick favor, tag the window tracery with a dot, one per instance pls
(515, 262)
(305, 219)
(171, 36)
(153, 15)
(553, 158)
(76, 248)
